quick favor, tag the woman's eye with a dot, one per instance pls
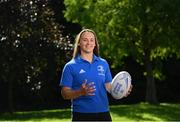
(92, 40)
(84, 40)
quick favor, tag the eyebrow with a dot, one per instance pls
(87, 38)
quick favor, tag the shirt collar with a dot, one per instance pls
(80, 59)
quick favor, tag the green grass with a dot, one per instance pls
(146, 112)
(135, 112)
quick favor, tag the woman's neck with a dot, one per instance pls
(87, 56)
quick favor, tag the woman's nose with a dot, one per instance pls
(89, 41)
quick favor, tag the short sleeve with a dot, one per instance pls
(66, 77)
(108, 76)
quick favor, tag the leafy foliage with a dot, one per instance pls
(133, 26)
(146, 30)
(32, 45)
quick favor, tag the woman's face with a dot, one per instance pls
(87, 42)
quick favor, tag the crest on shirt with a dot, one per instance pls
(100, 70)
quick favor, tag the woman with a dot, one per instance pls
(86, 79)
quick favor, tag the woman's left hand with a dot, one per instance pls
(129, 91)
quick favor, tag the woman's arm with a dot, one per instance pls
(86, 89)
(68, 93)
(108, 87)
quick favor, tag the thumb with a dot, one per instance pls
(84, 83)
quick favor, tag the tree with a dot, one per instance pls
(145, 30)
(32, 47)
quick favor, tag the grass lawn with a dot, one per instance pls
(135, 112)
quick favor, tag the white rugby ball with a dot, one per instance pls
(120, 84)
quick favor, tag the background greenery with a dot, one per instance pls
(37, 36)
(147, 31)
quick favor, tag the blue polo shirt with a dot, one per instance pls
(76, 71)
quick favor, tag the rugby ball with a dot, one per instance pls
(120, 85)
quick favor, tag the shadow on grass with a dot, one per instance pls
(37, 115)
(162, 112)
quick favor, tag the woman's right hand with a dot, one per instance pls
(88, 88)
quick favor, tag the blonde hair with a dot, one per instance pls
(77, 40)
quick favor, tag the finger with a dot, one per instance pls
(91, 94)
(131, 86)
(130, 89)
(90, 84)
(91, 90)
(91, 87)
(126, 94)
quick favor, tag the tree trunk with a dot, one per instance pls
(151, 96)
(10, 96)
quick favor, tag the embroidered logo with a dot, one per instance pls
(100, 69)
(81, 71)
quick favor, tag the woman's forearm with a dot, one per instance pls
(68, 93)
(108, 87)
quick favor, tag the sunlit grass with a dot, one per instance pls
(146, 112)
(135, 112)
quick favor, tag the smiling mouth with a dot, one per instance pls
(90, 46)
